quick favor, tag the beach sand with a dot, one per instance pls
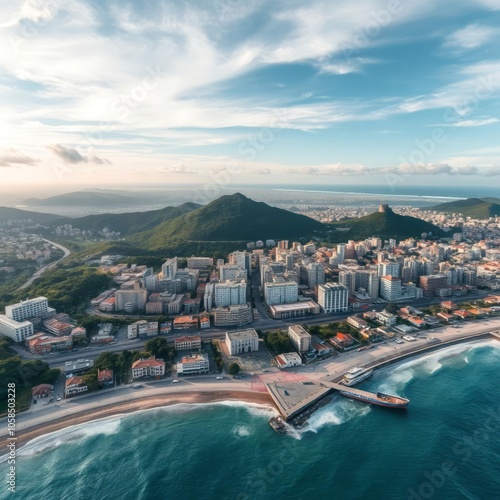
(133, 406)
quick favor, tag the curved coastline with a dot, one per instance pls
(125, 404)
(128, 407)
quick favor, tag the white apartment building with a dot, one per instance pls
(187, 342)
(131, 300)
(390, 288)
(231, 272)
(16, 330)
(300, 338)
(232, 315)
(333, 297)
(193, 365)
(242, 341)
(199, 262)
(28, 309)
(230, 293)
(281, 292)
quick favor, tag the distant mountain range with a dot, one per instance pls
(227, 223)
(386, 224)
(477, 208)
(8, 213)
(83, 199)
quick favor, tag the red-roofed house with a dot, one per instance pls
(42, 391)
(75, 385)
(150, 367)
(105, 378)
(462, 314)
(343, 341)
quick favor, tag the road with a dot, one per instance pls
(38, 273)
(328, 369)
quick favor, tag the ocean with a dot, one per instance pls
(445, 446)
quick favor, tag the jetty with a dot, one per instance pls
(297, 400)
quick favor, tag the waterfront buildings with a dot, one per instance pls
(149, 367)
(288, 360)
(196, 364)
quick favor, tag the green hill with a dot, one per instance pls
(477, 208)
(131, 222)
(233, 218)
(386, 224)
(8, 213)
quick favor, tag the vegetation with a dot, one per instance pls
(278, 342)
(131, 222)
(328, 331)
(228, 219)
(217, 355)
(158, 347)
(25, 374)
(234, 369)
(477, 208)
(384, 225)
(66, 289)
(120, 363)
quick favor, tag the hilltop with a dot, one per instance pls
(131, 222)
(386, 224)
(477, 208)
(231, 218)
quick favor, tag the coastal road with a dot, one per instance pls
(38, 273)
(330, 368)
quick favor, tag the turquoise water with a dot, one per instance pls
(446, 446)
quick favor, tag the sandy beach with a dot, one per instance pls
(200, 390)
(133, 406)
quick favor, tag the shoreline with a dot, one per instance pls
(129, 407)
(124, 406)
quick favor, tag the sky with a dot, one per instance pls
(235, 92)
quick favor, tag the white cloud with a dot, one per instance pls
(10, 157)
(471, 37)
(72, 156)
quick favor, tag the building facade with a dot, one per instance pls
(242, 341)
(333, 297)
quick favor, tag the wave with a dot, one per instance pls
(338, 412)
(396, 377)
(74, 433)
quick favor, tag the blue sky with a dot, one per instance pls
(340, 92)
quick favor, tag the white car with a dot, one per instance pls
(176, 381)
(219, 378)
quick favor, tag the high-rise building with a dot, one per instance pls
(26, 309)
(348, 279)
(341, 252)
(390, 288)
(315, 274)
(230, 293)
(429, 284)
(280, 292)
(231, 272)
(333, 297)
(16, 330)
(169, 268)
(388, 268)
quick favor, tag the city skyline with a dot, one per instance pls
(123, 94)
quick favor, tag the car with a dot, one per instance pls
(219, 378)
(236, 377)
(88, 348)
(175, 381)
(58, 399)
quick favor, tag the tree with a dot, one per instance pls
(91, 380)
(279, 342)
(154, 346)
(234, 369)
